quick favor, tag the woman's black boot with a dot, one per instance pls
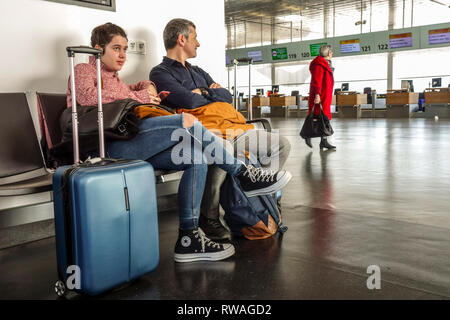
(325, 145)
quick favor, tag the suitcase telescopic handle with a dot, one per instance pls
(97, 53)
(83, 49)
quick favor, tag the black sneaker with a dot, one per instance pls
(214, 229)
(193, 245)
(258, 181)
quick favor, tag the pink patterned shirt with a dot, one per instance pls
(112, 87)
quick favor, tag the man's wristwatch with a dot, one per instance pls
(204, 91)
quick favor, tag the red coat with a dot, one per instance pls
(322, 82)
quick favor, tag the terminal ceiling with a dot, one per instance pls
(273, 11)
(253, 19)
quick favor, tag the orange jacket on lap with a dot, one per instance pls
(220, 117)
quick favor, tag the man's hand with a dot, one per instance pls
(215, 86)
(188, 120)
(197, 91)
(317, 99)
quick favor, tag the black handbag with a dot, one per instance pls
(316, 125)
(119, 122)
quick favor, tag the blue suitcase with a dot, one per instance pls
(106, 222)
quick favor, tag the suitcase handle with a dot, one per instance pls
(97, 53)
(83, 49)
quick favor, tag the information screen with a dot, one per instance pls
(401, 40)
(314, 48)
(350, 46)
(279, 54)
(227, 59)
(439, 36)
(255, 55)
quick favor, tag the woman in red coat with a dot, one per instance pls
(321, 88)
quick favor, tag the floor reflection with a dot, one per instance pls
(203, 279)
(321, 191)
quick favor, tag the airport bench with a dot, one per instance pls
(25, 183)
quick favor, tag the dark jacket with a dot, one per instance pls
(171, 75)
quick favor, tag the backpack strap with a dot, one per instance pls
(280, 227)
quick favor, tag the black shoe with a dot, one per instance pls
(308, 142)
(193, 245)
(214, 229)
(258, 181)
(324, 144)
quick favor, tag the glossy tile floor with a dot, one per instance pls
(383, 199)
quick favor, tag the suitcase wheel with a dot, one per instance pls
(60, 288)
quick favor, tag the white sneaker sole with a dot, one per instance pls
(271, 189)
(212, 256)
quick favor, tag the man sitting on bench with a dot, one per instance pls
(192, 90)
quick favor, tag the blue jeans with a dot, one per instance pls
(155, 143)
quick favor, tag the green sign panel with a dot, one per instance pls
(279, 54)
(314, 48)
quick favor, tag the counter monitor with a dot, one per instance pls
(401, 40)
(255, 55)
(436, 82)
(439, 36)
(348, 46)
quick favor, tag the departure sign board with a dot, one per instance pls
(439, 36)
(401, 40)
(348, 46)
(279, 54)
(411, 38)
(255, 55)
(314, 48)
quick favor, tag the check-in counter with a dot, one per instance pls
(399, 102)
(278, 105)
(257, 103)
(349, 104)
(437, 103)
(437, 95)
(260, 101)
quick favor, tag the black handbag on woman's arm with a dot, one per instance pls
(316, 125)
